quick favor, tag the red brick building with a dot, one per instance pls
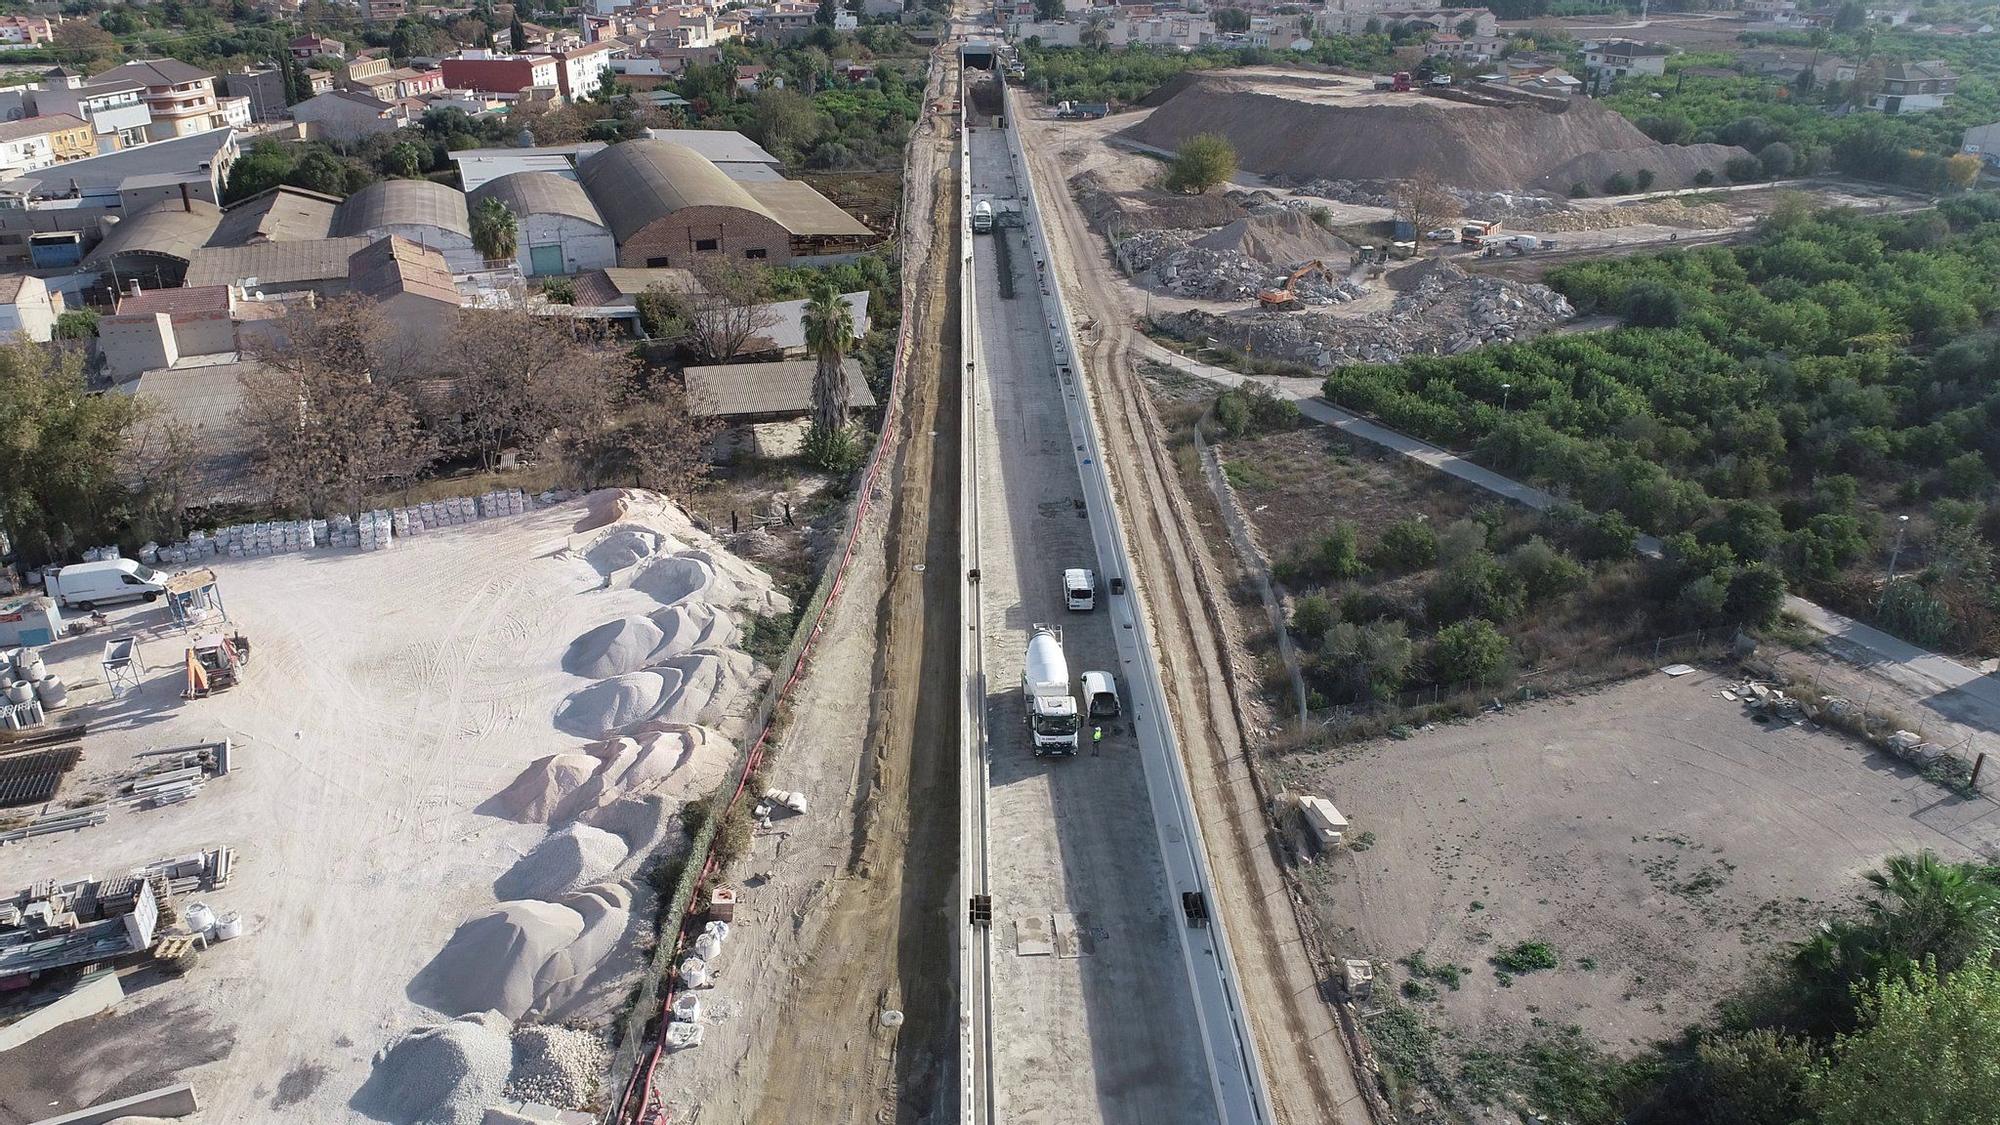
(499, 74)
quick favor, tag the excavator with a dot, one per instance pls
(1282, 297)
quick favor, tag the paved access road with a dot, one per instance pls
(1096, 1021)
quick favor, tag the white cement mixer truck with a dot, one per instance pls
(1051, 709)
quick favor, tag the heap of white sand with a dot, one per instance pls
(445, 1074)
(528, 957)
(631, 643)
(569, 857)
(643, 541)
(675, 762)
(710, 687)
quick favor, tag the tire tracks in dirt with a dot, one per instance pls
(1300, 1035)
(886, 942)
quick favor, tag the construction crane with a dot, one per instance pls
(1282, 297)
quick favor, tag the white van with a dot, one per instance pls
(1100, 695)
(1080, 589)
(88, 585)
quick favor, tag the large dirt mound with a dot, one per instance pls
(1481, 146)
(1672, 166)
(1283, 239)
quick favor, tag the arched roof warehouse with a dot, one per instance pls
(538, 193)
(393, 203)
(638, 182)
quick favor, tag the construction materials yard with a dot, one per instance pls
(1654, 836)
(453, 763)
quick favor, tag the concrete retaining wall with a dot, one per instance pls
(99, 993)
(167, 1101)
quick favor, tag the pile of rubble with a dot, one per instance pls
(1441, 311)
(1513, 205)
(1659, 212)
(1365, 193)
(1169, 258)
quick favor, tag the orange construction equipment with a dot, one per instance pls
(215, 663)
(1282, 297)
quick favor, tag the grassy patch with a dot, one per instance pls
(1526, 957)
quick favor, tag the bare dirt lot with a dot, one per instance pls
(1651, 833)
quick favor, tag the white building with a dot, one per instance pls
(1616, 58)
(116, 109)
(426, 213)
(557, 227)
(1982, 141)
(27, 309)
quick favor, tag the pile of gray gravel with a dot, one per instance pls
(557, 1066)
(445, 1074)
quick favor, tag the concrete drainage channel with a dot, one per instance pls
(1236, 1072)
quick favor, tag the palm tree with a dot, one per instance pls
(494, 231)
(1096, 31)
(829, 330)
(1927, 908)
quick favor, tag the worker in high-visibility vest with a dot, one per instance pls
(1097, 736)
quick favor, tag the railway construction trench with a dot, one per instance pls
(1094, 1017)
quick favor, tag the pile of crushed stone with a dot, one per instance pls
(557, 1066)
(444, 1074)
(707, 687)
(1281, 239)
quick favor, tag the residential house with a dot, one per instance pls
(312, 46)
(1451, 48)
(116, 109)
(181, 98)
(33, 143)
(1914, 87)
(580, 71)
(384, 11)
(49, 218)
(16, 28)
(264, 86)
(1616, 58)
(411, 286)
(27, 309)
(500, 73)
(343, 116)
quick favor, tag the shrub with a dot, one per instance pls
(1461, 540)
(1653, 304)
(1527, 957)
(1914, 613)
(1404, 546)
(1643, 179)
(76, 324)
(1578, 191)
(1618, 184)
(1369, 660)
(1468, 652)
(1206, 160)
(1777, 159)
(1311, 618)
(1476, 586)
(1704, 177)
(1755, 595)
(1543, 571)
(1743, 169)
(1336, 554)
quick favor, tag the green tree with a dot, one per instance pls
(1232, 19)
(1404, 546)
(1335, 554)
(494, 231)
(60, 488)
(1370, 661)
(1096, 32)
(829, 333)
(405, 159)
(1754, 595)
(1048, 11)
(76, 324)
(1205, 160)
(1543, 571)
(1929, 1053)
(1468, 652)
(827, 10)
(1312, 616)
(517, 35)
(321, 171)
(264, 166)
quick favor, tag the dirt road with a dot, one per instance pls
(1307, 1066)
(886, 943)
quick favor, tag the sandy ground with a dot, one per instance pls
(846, 912)
(1207, 672)
(1651, 832)
(390, 694)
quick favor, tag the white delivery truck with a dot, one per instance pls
(88, 585)
(982, 217)
(1100, 695)
(1080, 589)
(1051, 709)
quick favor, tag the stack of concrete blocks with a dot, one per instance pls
(377, 530)
(503, 502)
(341, 532)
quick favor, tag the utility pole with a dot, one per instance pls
(1902, 525)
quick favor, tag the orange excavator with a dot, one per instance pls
(1282, 297)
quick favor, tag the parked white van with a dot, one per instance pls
(1100, 693)
(88, 585)
(1080, 589)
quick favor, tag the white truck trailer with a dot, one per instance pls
(1051, 709)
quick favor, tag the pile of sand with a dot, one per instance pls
(1282, 239)
(1672, 166)
(707, 687)
(622, 548)
(568, 858)
(1481, 146)
(526, 957)
(676, 763)
(446, 1074)
(613, 648)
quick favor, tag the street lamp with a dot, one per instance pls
(1506, 391)
(1902, 525)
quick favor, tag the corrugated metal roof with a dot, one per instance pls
(187, 299)
(166, 228)
(396, 265)
(389, 203)
(607, 287)
(803, 211)
(637, 182)
(280, 214)
(734, 390)
(538, 193)
(184, 156)
(788, 328)
(723, 146)
(274, 263)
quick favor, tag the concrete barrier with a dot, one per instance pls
(96, 994)
(167, 1101)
